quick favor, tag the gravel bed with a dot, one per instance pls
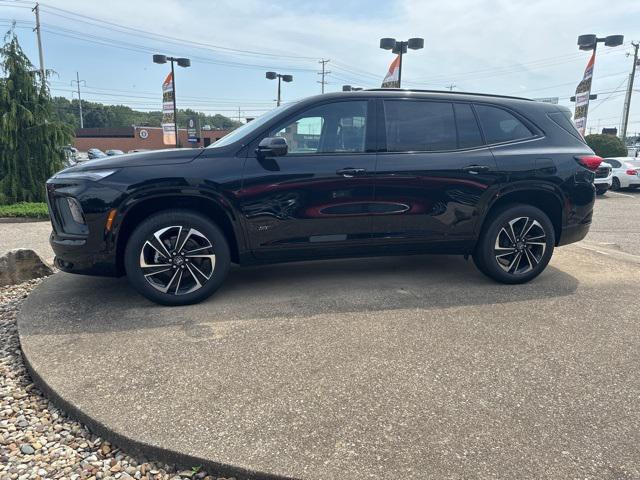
(37, 441)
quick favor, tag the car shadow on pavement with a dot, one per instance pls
(68, 303)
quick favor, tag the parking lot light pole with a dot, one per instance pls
(182, 62)
(280, 77)
(400, 48)
(590, 42)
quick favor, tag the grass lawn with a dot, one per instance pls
(24, 209)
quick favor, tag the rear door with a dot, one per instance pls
(433, 173)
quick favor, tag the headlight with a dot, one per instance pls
(76, 211)
(94, 175)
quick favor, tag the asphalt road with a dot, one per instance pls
(616, 221)
(407, 367)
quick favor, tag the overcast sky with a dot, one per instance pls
(514, 47)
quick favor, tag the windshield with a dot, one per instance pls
(249, 127)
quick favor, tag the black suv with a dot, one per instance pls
(365, 173)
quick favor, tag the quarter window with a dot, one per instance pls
(500, 126)
(338, 127)
(419, 126)
(468, 130)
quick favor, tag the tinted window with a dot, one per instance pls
(613, 163)
(499, 125)
(331, 128)
(468, 130)
(419, 126)
(563, 118)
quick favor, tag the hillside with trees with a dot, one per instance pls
(96, 115)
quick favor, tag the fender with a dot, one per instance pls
(169, 193)
(516, 187)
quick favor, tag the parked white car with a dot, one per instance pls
(626, 172)
(603, 179)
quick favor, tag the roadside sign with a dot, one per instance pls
(193, 130)
(553, 100)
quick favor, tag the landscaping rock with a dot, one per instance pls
(37, 441)
(20, 265)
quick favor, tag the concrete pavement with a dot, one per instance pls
(31, 235)
(411, 367)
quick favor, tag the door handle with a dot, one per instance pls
(350, 172)
(475, 169)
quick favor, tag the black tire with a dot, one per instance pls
(615, 184)
(601, 190)
(196, 270)
(496, 250)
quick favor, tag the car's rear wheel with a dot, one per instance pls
(177, 257)
(516, 244)
(615, 184)
(601, 189)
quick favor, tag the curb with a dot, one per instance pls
(136, 447)
(22, 220)
(130, 445)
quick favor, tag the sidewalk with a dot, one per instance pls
(32, 235)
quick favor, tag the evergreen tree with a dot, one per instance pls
(31, 137)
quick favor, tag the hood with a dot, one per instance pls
(142, 159)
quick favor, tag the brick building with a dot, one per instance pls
(137, 138)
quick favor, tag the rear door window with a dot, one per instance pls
(414, 126)
(501, 126)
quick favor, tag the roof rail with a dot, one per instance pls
(445, 91)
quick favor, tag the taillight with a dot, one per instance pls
(632, 172)
(590, 162)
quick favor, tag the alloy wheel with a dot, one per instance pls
(520, 245)
(177, 260)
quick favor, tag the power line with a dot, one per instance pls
(107, 25)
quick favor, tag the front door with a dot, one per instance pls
(315, 199)
(435, 172)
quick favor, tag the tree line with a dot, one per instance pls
(98, 115)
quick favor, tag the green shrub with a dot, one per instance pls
(606, 145)
(25, 209)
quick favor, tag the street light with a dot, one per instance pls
(284, 78)
(182, 62)
(400, 48)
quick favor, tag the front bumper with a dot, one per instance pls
(73, 257)
(87, 248)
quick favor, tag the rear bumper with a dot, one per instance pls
(574, 233)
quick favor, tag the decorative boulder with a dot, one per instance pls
(20, 265)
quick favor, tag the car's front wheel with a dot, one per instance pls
(516, 244)
(177, 257)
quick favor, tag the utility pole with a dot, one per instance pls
(78, 81)
(323, 73)
(239, 116)
(627, 98)
(36, 9)
(451, 87)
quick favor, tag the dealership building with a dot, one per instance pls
(138, 138)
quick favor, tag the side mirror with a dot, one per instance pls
(272, 147)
